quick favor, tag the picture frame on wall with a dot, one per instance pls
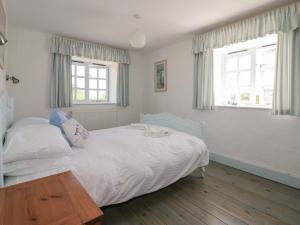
(160, 76)
(3, 31)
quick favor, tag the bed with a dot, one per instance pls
(122, 163)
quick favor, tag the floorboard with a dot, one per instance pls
(225, 196)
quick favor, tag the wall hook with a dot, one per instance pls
(13, 79)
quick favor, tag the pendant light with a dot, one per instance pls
(137, 38)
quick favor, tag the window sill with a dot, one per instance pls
(244, 107)
(95, 103)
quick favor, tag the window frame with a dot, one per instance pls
(87, 66)
(253, 75)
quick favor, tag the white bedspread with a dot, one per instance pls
(121, 163)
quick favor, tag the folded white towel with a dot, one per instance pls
(151, 130)
(156, 132)
(139, 126)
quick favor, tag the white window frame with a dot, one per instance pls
(253, 73)
(86, 89)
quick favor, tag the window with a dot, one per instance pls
(245, 73)
(91, 82)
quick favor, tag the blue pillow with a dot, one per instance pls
(57, 118)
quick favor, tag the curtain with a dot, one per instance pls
(203, 96)
(278, 20)
(286, 100)
(286, 22)
(123, 85)
(61, 83)
(68, 46)
(63, 49)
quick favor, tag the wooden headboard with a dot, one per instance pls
(6, 119)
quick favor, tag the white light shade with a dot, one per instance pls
(137, 39)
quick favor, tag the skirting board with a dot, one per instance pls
(280, 177)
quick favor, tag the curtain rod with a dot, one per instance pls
(244, 50)
(97, 64)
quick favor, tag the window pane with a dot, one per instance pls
(102, 73)
(80, 71)
(231, 64)
(93, 84)
(80, 82)
(73, 94)
(245, 62)
(102, 84)
(73, 82)
(80, 95)
(268, 96)
(102, 95)
(268, 58)
(245, 78)
(268, 77)
(93, 95)
(93, 72)
(73, 70)
(231, 80)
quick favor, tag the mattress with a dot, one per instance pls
(122, 163)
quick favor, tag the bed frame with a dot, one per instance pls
(6, 119)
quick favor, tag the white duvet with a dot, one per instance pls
(121, 163)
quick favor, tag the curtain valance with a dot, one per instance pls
(71, 47)
(278, 20)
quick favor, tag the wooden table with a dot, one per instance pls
(53, 200)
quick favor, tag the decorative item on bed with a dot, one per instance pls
(76, 133)
(116, 164)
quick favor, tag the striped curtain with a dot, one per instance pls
(203, 96)
(61, 81)
(286, 100)
(123, 85)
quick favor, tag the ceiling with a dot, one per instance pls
(110, 21)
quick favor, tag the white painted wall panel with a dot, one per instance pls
(96, 119)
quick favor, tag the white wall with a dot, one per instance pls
(29, 60)
(249, 135)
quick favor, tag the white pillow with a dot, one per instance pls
(30, 121)
(34, 142)
(33, 166)
(76, 133)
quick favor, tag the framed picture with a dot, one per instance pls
(160, 76)
(3, 31)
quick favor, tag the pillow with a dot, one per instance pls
(76, 133)
(33, 166)
(57, 118)
(30, 121)
(34, 142)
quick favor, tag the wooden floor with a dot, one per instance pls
(224, 196)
